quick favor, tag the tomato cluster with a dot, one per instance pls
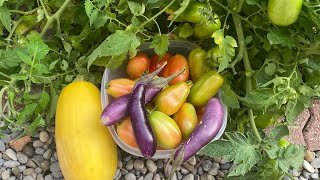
(205, 22)
(177, 110)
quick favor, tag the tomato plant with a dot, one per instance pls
(204, 29)
(193, 12)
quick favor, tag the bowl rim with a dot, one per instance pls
(160, 154)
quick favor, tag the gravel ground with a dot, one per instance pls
(38, 161)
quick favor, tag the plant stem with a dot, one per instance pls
(15, 25)
(4, 75)
(247, 66)
(54, 17)
(44, 9)
(158, 14)
(24, 13)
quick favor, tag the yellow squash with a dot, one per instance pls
(85, 148)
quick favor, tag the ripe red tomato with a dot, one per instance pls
(138, 65)
(175, 64)
(155, 63)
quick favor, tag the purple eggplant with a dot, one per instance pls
(117, 109)
(204, 132)
(140, 125)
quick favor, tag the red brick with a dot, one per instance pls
(312, 130)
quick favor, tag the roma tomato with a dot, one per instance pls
(193, 12)
(284, 12)
(125, 132)
(205, 29)
(166, 130)
(138, 65)
(155, 62)
(197, 63)
(186, 119)
(171, 99)
(119, 87)
(205, 88)
(175, 64)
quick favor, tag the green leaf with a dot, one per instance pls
(136, 8)
(228, 97)
(252, 2)
(290, 157)
(270, 69)
(27, 111)
(40, 13)
(35, 125)
(9, 58)
(116, 61)
(25, 57)
(88, 6)
(183, 6)
(119, 43)
(293, 109)
(186, 30)
(67, 46)
(244, 151)
(260, 98)
(278, 132)
(53, 103)
(160, 44)
(64, 65)
(36, 47)
(279, 37)
(5, 17)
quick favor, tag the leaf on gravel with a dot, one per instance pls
(279, 37)
(119, 43)
(244, 151)
(293, 109)
(160, 44)
(34, 126)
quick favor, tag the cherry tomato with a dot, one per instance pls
(119, 87)
(175, 64)
(125, 133)
(138, 65)
(193, 12)
(186, 119)
(155, 63)
(284, 12)
(166, 130)
(204, 30)
(283, 143)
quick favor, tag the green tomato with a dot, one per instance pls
(193, 12)
(283, 143)
(284, 12)
(264, 120)
(197, 63)
(205, 29)
(214, 55)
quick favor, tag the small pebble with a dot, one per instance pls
(57, 174)
(48, 177)
(315, 176)
(11, 164)
(38, 170)
(39, 151)
(188, 177)
(159, 164)
(38, 159)
(309, 156)
(138, 164)
(22, 158)
(192, 160)
(188, 166)
(2, 146)
(129, 165)
(31, 164)
(40, 177)
(47, 154)
(306, 174)
(184, 171)
(28, 178)
(11, 154)
(295, 173)
(210, 177)
(179, 175)
(316, 163)
(174, 176)
(5, 175)
(206, 165)
(149, 176)
(55, 167)
(217, 159)
(130, 176)
(318, 154)
(152, 167)
(196, 177)
(308, 166)
(225, 166)
(156, 177)
(45, 165)
(224, 160)
(22, 168)
(140, 178)
(126, 158)
(16, 172)
(28, 150)
(200, 171)
(144, 170)
(44, 136)
(1, 161)
(37, 144)
(302, 178)
(28, 171)
(119, 165)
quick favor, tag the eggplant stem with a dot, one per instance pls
(177, 162)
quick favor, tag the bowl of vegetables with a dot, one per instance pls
(157, 106)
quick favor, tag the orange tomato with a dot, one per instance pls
(175, 64)
(119, 87)
(186, 118)
(138, 65)
(125, 132)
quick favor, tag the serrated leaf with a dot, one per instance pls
(44, 100)
(119, 43)
(64, 65)
(52, 104)
(25, 58)
(136, 8)
(293, 109)
(160, 44)
(278, 132)
(218, 36)
(224, 62)
(278, 37)
(26, 112)
(88, 6)
(290, 157)
(67, 46)
(9, 58)
(186, 30)
(116, 61)
(69, 78)
(41, 69)
(244, 151)
(260, 99)
(228, 97)
(5, 17)
(35, 125)
(36, 47)
(53, 64)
